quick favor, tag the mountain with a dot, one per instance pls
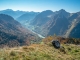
(12, 13)
(61, 23)
(57, 26)
(12, 33)
(74, 30)
(63, 12)
(27, 17)
(42, 18)
(50, 23)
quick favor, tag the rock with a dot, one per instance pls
(56, 43)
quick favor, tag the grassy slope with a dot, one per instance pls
(41, 52)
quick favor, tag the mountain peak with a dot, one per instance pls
(63, 13)
(9, 10)
(62, 10)
(48, 11)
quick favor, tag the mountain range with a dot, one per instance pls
(45, 23)
(61, 23)
(21, 16)
(14, 14)
(27, 17)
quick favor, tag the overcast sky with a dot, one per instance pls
(41, 5)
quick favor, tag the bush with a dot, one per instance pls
(12, 53)
(62, 49)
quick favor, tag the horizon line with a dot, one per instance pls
(37, 11)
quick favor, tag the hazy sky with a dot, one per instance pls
(41, 5)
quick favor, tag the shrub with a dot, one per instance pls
(12, 53)
(62, 49)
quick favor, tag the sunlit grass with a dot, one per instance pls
(41, 52)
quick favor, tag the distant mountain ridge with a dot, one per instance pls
(15, 14)
(12, 13)
(20, 16)
(27, 17)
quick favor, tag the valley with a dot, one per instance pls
(42, 24)
(39, 29)
(30, 35)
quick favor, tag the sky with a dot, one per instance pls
(41, 5)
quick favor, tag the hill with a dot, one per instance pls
(12, 33)
(41, 52)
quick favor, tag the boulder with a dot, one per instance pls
(56, 43)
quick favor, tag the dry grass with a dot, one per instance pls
(41, 52)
